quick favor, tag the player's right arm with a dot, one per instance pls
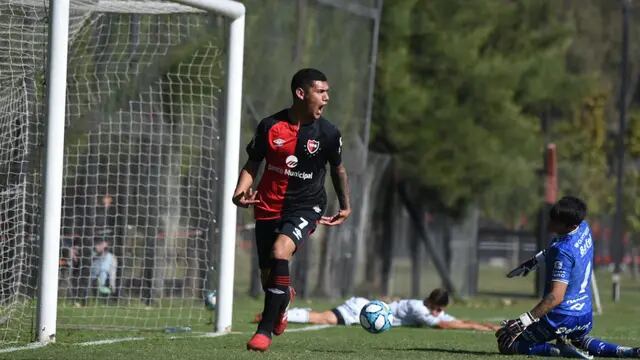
(244, 196)
(562, 263)
(465, 325)
(550, 301)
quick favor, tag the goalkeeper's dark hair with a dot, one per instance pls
(438, 297)
(568, 211)
(304, 79)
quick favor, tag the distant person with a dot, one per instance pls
(565, 313)
(296, 144)
(105, 218)
(103, 269)
(68, 265)
(428, 312)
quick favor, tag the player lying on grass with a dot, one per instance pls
(565, 312)
(428, 312)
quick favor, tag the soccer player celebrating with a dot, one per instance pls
(429, 312)
(565, 313)
(296, 144)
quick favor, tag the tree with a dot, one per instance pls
(460, 89)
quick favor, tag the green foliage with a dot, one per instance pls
(632, 179)
(595, 51)
(461, 87)
(583, 167)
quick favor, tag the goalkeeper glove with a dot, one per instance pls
(511, 329)
(526, 267)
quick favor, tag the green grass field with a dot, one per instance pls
(619, 324)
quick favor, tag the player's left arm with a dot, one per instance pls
(340, 181)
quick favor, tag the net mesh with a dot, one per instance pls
(142, 156)
(17, 243)
(21, 32)
(141, 183)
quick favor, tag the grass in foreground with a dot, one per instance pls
(618, 324)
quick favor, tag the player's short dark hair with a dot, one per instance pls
(304, 79)
(438, 297)
(568, 211)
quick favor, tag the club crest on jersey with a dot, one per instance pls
(313, 146)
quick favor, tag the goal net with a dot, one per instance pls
(142, 164)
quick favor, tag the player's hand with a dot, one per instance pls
(524, 269)
(336, 219)
(246, 198)
(505, 340)
(511, 329)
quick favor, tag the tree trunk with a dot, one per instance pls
(416, 263)
(416, 214)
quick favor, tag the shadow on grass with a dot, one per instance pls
(450, 351)
(332, 351)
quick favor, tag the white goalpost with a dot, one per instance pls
(50, 230)
(170, 252)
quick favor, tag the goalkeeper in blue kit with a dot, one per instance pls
(565, 312)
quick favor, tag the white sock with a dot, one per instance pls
(298, 315)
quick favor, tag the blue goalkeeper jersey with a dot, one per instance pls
(569, 259)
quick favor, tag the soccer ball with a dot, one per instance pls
(376, 317)
(210, 298)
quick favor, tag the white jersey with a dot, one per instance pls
(405, 313)
(415, 313)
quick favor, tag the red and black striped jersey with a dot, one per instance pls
(296, 157)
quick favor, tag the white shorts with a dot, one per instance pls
(350, 310)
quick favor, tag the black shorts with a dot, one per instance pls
(297, 226)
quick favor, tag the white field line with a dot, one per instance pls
(26, 347)
(310, 328)
(108, 341)
(118, 340)
(209, 335)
